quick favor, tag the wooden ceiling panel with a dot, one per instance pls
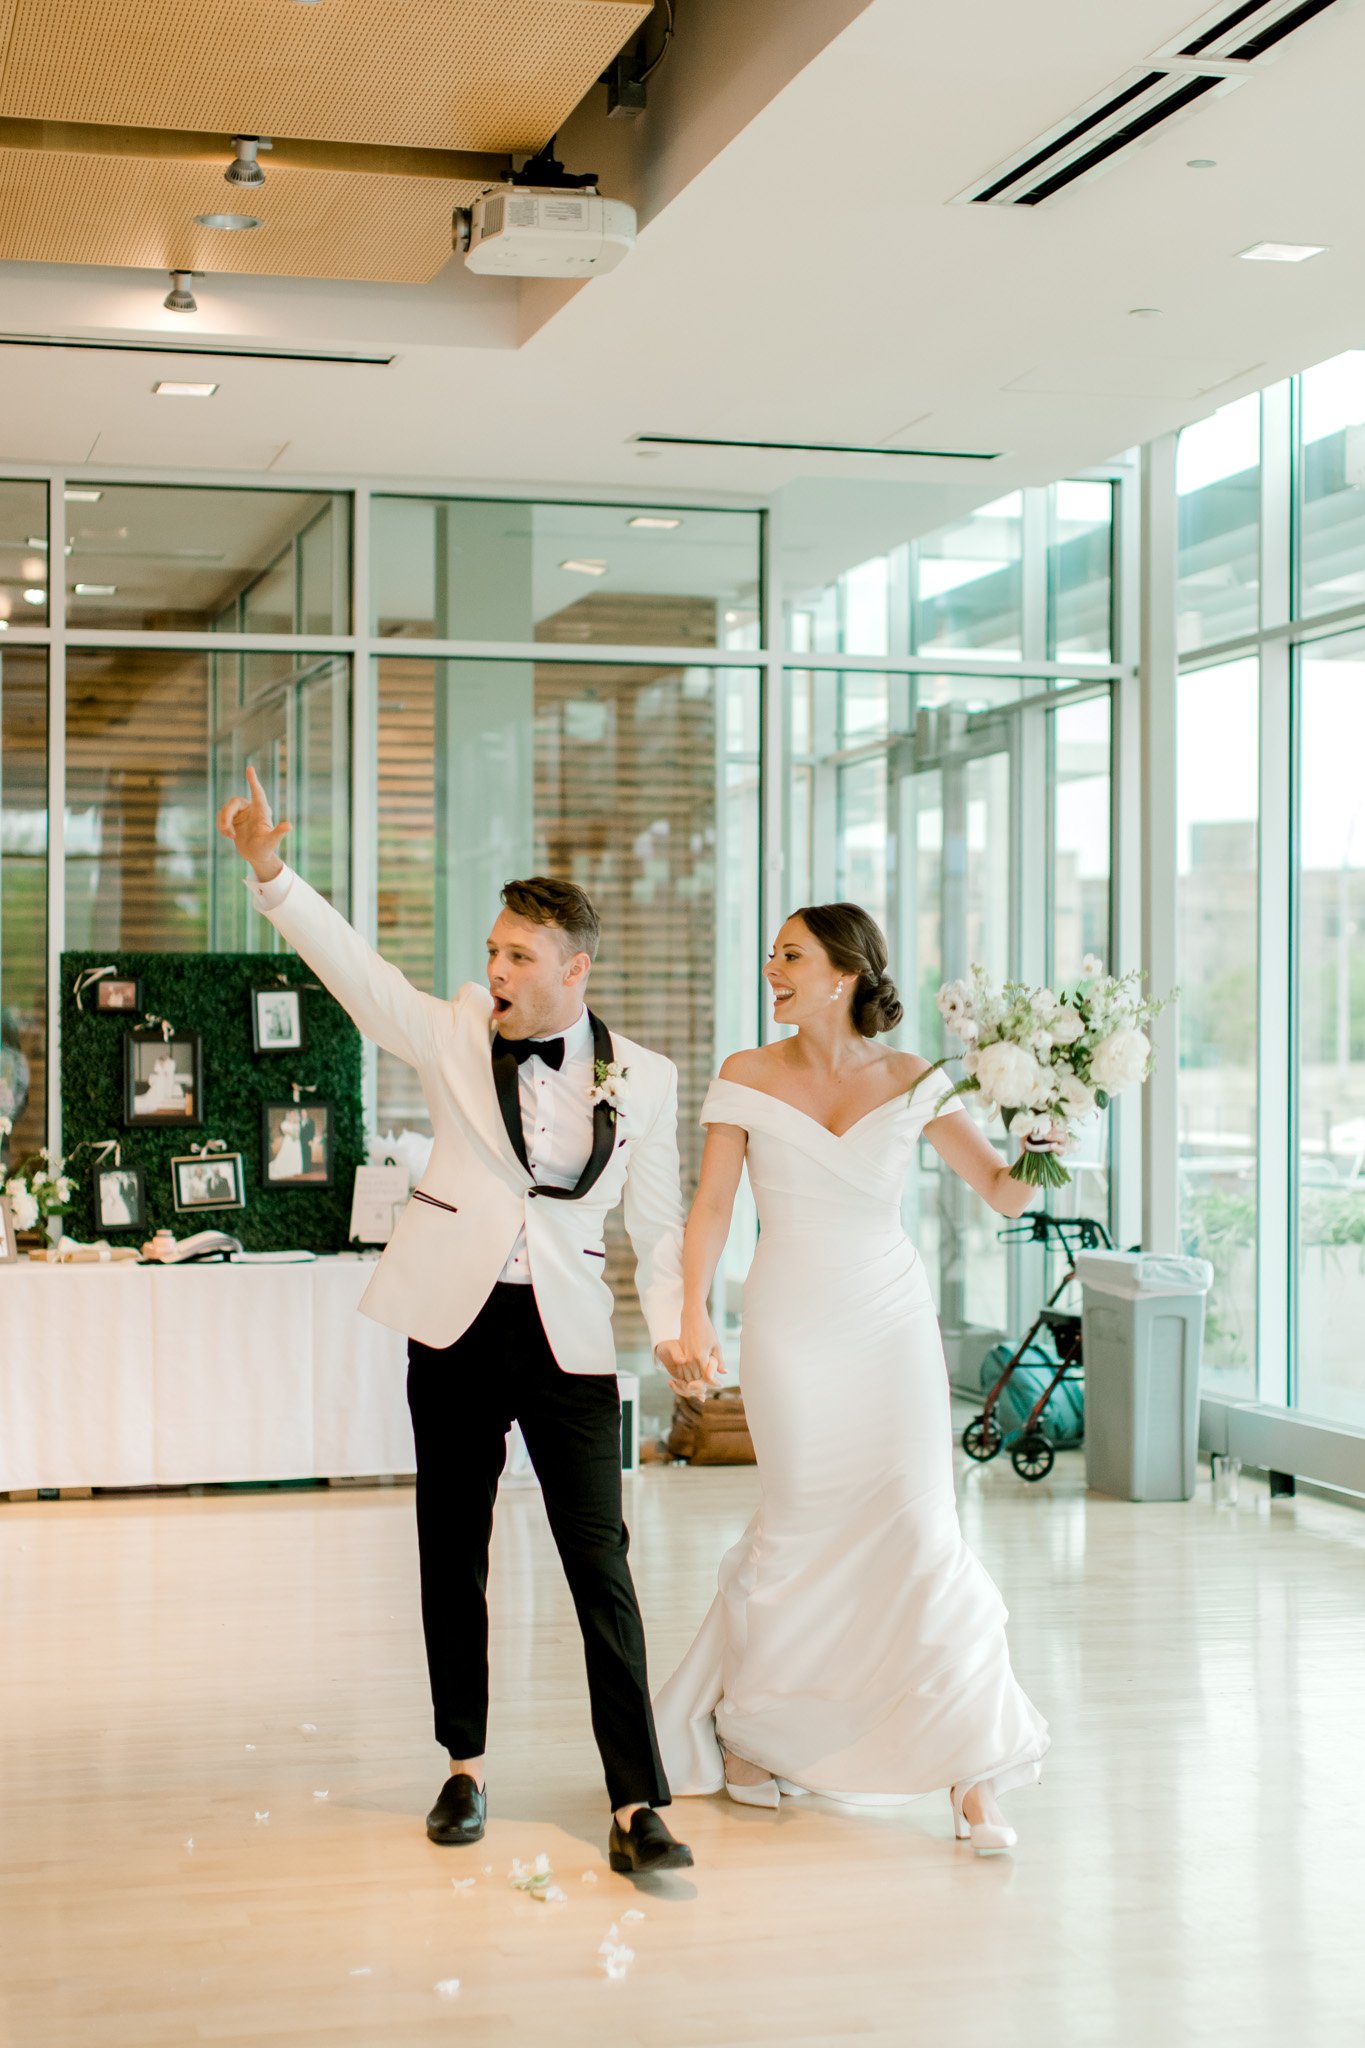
(139, 213)
(495, 75)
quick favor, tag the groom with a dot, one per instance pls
(544, 1121)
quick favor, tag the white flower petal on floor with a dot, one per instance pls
(588, 1877)
(264, 1816)
(308, 1728)
(319, 1795)
(364, 1971)
(190, 1843)
(448, 1987)
(463, 1884)
(633, 1913)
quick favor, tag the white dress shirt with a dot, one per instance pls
(556, 1107)
(556, 1123)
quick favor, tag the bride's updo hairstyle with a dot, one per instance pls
(855, 945)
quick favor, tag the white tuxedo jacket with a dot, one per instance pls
(453, 1239)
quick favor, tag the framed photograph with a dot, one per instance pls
(9, 1246)
(276, 1019)
(163, 1079)
(296, 1144)
(119, 997)
(121, 1198)
(211, 1181)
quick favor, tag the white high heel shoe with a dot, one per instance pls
(988, 1838)
(767, 1793)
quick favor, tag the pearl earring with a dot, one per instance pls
(838, 991)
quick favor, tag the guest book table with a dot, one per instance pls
(181, 1375)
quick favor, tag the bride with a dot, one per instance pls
(856, 1647)
(287, 1162)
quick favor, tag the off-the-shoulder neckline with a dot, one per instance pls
(897, 1101)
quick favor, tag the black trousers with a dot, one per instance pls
(464, 1400)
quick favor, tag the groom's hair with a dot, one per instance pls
(544, 900)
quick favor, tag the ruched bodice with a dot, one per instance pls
(855, 1645)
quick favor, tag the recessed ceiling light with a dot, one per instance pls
(172, 390)
(1281, 252)
(1144, 312)
(96, 589)
(76, 495)
(232, 223)
(1201, 163)
(655, 524)
(35, 595)
(581, 566)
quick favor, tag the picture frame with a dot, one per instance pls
(9, 1242)
(120, 995)
(120, 1198)
(163, 1080)
(276, 1019)
(208, 1180)
(297, 1144)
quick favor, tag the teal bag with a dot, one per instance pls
(1064, 1416)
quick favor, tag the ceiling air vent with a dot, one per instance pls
(1215, 55)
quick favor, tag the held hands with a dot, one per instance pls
(693, 1361)
(247, 822)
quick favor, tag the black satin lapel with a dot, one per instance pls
(603, 1116)
(603, 1124)
(505, 1072)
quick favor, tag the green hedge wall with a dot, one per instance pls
(211, 993)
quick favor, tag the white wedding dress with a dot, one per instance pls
(855, 1645)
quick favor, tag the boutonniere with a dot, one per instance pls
(611, 1084)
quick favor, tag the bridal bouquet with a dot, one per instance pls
(1048, 1060)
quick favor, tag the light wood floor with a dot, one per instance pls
(196, 1671)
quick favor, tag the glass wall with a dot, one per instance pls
(1271, 903)
(1330, 1005)
(23, 555)
(23, 896)
(594, 575)
(1218, 804)
(1218, 478)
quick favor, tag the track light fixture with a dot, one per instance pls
(244, 169)
(180, 298)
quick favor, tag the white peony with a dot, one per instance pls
(1008, 1074)
(1031, 1125)
(1041, 1042)
(22, 1206)
(1077, 1100)
(1066, 1025)
(968, 1031)
(1120, 1059)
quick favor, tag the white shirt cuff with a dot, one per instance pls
(270, 895)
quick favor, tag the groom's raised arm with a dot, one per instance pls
(382, 1001)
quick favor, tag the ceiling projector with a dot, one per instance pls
(543, 231)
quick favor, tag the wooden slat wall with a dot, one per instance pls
(137, 760)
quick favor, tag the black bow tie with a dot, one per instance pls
(551, 1050)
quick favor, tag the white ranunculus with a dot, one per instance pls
(968, 1031)
(1120, 1059)
(1066, 1025)
(1007, 1073)
(1032, 1124)
(1045, 1001)
(1077, 1100)
(954, 1003)
(22, 1206)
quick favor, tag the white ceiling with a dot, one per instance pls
(808, 280)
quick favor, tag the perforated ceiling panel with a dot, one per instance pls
(496, 75)
(139, 213)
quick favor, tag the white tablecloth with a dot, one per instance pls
(173, 1375)
(184, 1375)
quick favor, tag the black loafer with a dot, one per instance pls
(459, 1814)
(645, 1846)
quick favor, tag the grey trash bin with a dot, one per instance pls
(1142, 1322)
